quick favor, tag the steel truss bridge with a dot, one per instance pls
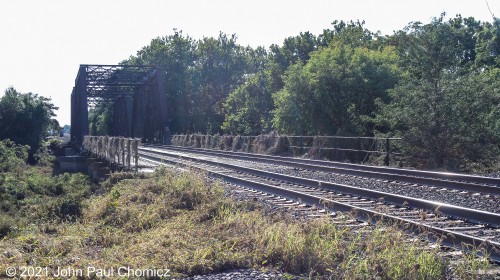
(136, 94)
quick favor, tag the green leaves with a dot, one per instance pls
(448, 125)
(334, 90)
(430, 83)
(248, 108)
(200, 75)
(25, 118)
(222, 65)
(488, 45)
(12, 156)
(446, 107)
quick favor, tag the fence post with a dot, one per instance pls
(387, 158)
(128, 154)
(122, 148)
(359, 148)
(301, 146)
(136, 153)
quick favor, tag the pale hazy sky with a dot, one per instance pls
(42, 43)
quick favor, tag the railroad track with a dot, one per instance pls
(453, 226)
(462, 182)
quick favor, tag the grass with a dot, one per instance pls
(183, 222)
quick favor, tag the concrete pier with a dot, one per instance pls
(95, 168)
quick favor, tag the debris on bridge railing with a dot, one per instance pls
(116, 150)
(341, 148)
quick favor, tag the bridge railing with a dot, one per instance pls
(340, 148)
(116, 150)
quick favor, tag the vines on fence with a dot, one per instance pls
(116, 150)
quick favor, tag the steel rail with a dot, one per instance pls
(477, 216)
(447, 237)
(456, 181)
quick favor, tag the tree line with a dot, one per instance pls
(434, 84)
(26, 119)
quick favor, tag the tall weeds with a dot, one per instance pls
(184, 222)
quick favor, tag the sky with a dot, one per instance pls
(42, 43)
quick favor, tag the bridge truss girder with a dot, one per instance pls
(137, 94)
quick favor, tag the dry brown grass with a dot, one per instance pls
(183, 222)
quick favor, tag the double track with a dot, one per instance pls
(454, 226)
(463, 182)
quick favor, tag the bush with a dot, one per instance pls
(56, 147)
(48, 151)
(117, 177)
(459, 133)
(6, 225)
(36, 195)
(72, 190)
(69, 208)
(26, 118)
(12, 156)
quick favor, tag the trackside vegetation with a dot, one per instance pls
(434, 84)
(26, 118)
(184, 222)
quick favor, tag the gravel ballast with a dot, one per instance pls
(478, 201)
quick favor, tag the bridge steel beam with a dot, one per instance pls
(129, 110)
(137, 94)
(82, 105)
(73, 116)
(160, 80)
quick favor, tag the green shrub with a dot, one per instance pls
(6, 225)
(46, 154)
(117, 177)
(36, 195)
(12, 156)
(56, 147)
(69, 208)
(70, 190)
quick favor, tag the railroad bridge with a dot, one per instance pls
(136, 94)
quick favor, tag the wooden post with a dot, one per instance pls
(122, 148)
(136, 153)
(128, 153)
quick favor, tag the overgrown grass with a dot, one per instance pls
(34, 195)
(30, 194)
(183, 222)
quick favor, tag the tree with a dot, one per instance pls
(12, 156)
(25, 118)
(335, 92)
(67, 129)
(199, 76)
(443, 107)
(454, 126)
(488, 45)
(431, 49)
(465, 30)
(351, 33)
(221, 66)
(294, 49)
(248, 108)
(175, 54)
(101, 120)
